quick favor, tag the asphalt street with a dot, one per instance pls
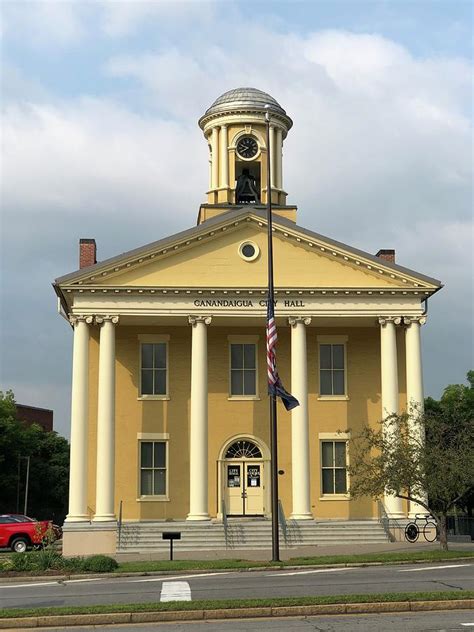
(239, 585)
(453, 621)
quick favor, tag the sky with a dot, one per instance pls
(100, 102)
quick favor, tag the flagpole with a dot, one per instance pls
(273, 406)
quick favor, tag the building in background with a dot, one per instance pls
(29, 415)
(169, 395)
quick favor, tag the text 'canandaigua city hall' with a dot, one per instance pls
(169, 416)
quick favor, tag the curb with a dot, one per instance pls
(250, 569)
(233, 613)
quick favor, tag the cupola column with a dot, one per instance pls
(79, 421)
(300, 421)
(272, 152)
(215, 158)
(224, 158)
(198, 435)
(278, 158)
(389, 378)
(105, 479)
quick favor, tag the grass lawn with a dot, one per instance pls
(386, 558)
(236, 603)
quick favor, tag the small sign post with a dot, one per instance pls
(171, 535)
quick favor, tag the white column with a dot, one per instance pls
(415, 397)
(198, 465)
(278, 158)
(79, 421)
(215, 158)
(224, 158)
(389, 371)
(105, 481)
(300, 464)
(272, 150)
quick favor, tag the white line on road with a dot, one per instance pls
(30, 585)
(432, 568)
(167, 578)
(90, 579)
(175, 591)
(468, 625)
(319, 570)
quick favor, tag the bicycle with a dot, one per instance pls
(430, 529)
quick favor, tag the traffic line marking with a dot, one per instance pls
(30, 585)
(319, 570)
(90, 579)
(175, 591)
(468, 625)
(167, 578)
(432, 568)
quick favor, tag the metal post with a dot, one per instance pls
(27, 482)
(171, 550)
(273, 407)
(18, 487)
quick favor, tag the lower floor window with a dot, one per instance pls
(334, 467)
(153, 468)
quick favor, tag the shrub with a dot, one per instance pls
(23, 562)
(99, 564)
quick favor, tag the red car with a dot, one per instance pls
(20, 532)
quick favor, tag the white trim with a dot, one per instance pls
(248, 242)
(330, 339)
(333, 398)
(153, 339)
(243, 398)
(153, 436)
(242, 338)
(334, 436)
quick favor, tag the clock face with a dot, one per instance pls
(247, 147)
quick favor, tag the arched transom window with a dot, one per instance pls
(243, 449)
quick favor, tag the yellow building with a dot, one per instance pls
(169, 413)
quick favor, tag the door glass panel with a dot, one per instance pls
(253, 475)
(233, 476)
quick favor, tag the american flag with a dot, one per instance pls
(275, 387)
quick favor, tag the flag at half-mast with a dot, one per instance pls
(275, 387)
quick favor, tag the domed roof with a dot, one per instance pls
(244, 99)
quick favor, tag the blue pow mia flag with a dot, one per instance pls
(275, 387)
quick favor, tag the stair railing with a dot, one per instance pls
(224, 521)
(388, 523)
(119, 524)
(282, 520)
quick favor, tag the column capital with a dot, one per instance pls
(101, 319)
(384, 320)
(294, 320)
(409, 320)
(193, 320)
(80, 318)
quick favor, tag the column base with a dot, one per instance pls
(301, 516)
(71, 518)
(198, 516)
(81, 539)
(104, 518)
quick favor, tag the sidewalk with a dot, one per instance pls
(289, 553)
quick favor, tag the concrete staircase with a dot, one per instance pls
(250, 534)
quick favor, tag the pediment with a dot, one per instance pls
(208, 256)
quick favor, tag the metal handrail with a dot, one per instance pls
(120, 524)
(224, 520)
(282, 519)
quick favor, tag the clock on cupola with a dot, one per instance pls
(235, 129)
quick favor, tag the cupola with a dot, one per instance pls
(235, 129)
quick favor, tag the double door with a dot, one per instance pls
(244, 488)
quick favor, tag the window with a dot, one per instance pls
(332, 379)
(334, 467)
(153, 468)
(154, 368)
(243, 369)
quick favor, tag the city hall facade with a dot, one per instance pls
(169, 413)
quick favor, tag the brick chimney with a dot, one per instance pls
(87, 253)
(386, 253)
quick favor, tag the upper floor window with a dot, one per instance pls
(332, 366)
(153, 367)
(243, 369)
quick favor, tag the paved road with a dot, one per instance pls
(240, 585)
(454, 621)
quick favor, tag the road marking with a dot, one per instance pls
(468, 625)
(175, 591)
(432, 568)
(319, 570)
(167, 578)
(90, 579)
(30, 585)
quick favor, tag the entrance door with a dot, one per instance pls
(244, 488)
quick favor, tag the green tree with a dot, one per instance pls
(431, 461)
(49, 465)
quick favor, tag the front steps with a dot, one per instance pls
(250, 534)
